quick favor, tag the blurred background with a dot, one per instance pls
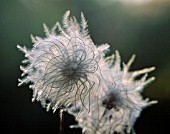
(140, 27)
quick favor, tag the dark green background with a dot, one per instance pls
(129, 28)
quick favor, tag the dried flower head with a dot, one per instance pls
(62, 68)
(120, 104)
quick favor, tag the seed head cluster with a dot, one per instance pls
(66, 70)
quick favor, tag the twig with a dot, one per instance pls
(61, 121)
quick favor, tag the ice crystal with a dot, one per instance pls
(120, 105)
(62, 68)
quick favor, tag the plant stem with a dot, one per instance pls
(61, 121)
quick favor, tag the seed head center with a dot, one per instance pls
(112, 101)
(73, 70)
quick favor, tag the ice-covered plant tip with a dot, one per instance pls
(67, 71)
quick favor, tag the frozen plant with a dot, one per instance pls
(66, 70)
(62, 68)
(120, 105)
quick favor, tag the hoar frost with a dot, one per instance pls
(67, 70)
(120, 105)
(62, 68)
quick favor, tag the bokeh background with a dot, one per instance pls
(140, 27)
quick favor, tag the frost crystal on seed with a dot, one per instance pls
(62, 68)
(120, 104)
